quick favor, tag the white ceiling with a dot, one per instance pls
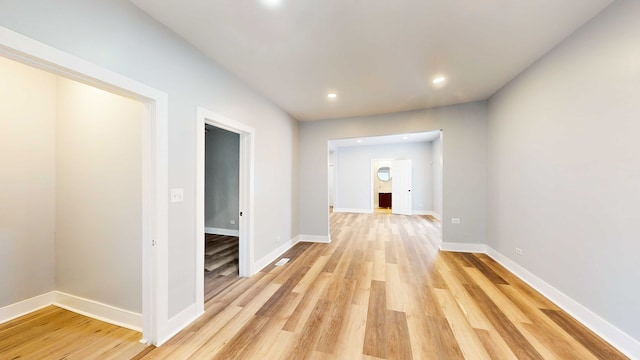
(379, 56)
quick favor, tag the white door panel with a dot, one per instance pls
(401, 187)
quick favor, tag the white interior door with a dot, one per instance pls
(401, 187)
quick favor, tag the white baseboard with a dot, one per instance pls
(180, 321)
(99, 311)
(355, 211)
(270, 257)
(24, 307)
(614, 336)
(463, 247)
(315, 239)
(426, 212)
(76, 304)
(220, 231)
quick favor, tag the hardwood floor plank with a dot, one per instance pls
(466, 337)
(338, 308)
(597, 346)
(311, 332)
(483, 268)
(398, 340)
(379, 265)
(238, 346)
(507, 307)
(363, 286)
(302, 312)
(507, 330)
(467, 304)
(446, 345)
(375, 336)
(350, 343)
(395, 289)
(275, 301)
(495, 345)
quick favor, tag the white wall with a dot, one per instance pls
(116, 35)
(355, 175)
(222, 179)
(464, 171)
(27, 194)
(564, 168)
(437, 175)
(99, 196)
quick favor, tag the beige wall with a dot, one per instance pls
(99, 196)
(70, 200)
(27, 186)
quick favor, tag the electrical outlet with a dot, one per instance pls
(455, 221)
(233, 222)
(519, 251)
(177, 195)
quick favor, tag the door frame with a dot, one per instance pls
(25, 50)
(246, 195)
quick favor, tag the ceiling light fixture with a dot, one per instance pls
(439, 80)
(271, 3)
(332, 95)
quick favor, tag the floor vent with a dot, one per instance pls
(282, 261)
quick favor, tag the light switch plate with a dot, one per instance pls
(177, 195)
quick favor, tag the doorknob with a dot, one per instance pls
(409, 190)
(240, 213)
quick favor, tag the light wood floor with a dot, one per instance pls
(55, 333)
(221, 263)
(381, 290)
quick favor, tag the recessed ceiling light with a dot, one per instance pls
(439, 80)
(359, 141)
(271, 3)
(405, 138)
(332, 95)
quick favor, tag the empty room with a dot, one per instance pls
(278, 179)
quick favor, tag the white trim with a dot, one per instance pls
(246, 196)
(355, 211)
(221, 231)
(99, 311)
(155, 162)
(24, 307)
(181, 320)
(614, 336)
(272, 256)
(90, 308)
(463, 247)
(315, 239)
(426, 212)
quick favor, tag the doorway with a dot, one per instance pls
(154, 176)
(246, 135)
(382, 182)
(222, 208)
